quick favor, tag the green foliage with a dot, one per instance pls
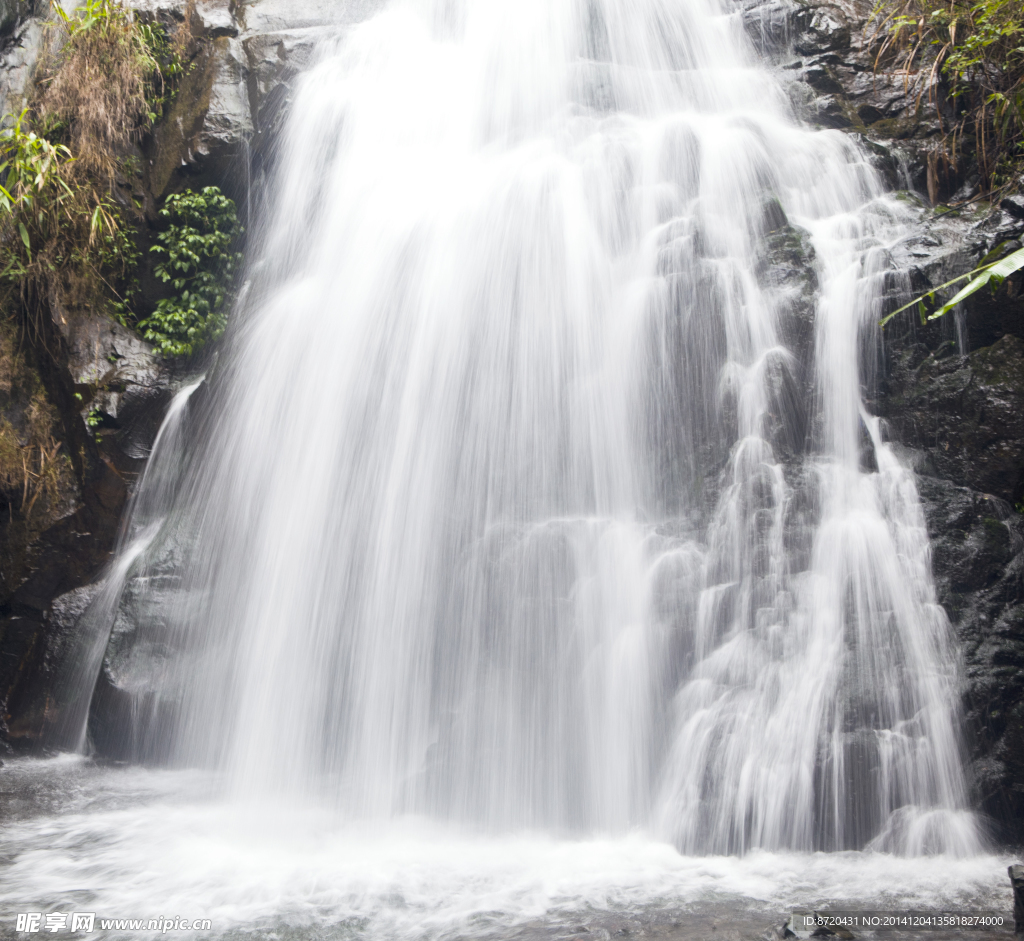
(199, 264)
(67, 232)
(100, 15)
(52, 223)
(93, 421)
(31, 166)
(33, 182)
(977, 47)
(36, 198)
(992, 273)
(171, 67)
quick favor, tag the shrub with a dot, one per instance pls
(200, 266)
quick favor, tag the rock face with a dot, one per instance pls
(20, 38)
(967, 412)
(976, 552)
(225, 123)
(960, 414)
(952, 391)
(830, 52)
(219, 131)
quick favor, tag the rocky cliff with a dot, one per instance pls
(951, 391)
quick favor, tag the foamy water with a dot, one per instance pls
(136, 843)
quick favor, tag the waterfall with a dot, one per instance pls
(144, 517)
(529, 495)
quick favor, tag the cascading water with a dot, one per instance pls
(145, 515)
(523, 503)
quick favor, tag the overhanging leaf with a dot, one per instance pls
(1001, 270)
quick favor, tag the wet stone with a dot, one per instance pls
(1017, 881)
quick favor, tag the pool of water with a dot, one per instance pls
(135, 843)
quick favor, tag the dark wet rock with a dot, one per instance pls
(1014, 205)
(953, 388)
(966, 412)
(34, 619)
(767, 23)
(976, 556)
(1016, 874)
(829, 52)
(806, 924)
(952, 391)
(789, 269)
(797, 926)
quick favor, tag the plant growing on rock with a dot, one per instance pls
(66, 219)
(199, 264)
(976, 48)
(35, 475)
(34, 173)
(95, 95)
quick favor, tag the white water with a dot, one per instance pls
(138, 843)
(144, 517)
(523, 508)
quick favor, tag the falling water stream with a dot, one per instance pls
(536, 548)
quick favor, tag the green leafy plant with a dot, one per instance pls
(169, 56)
(55, 225)
(34, 185)
(199, 264)
(93, 421)
(31, 165)
(992, 273)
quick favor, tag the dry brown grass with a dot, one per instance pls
(96, 92)
(35, 475)
(104, 84)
